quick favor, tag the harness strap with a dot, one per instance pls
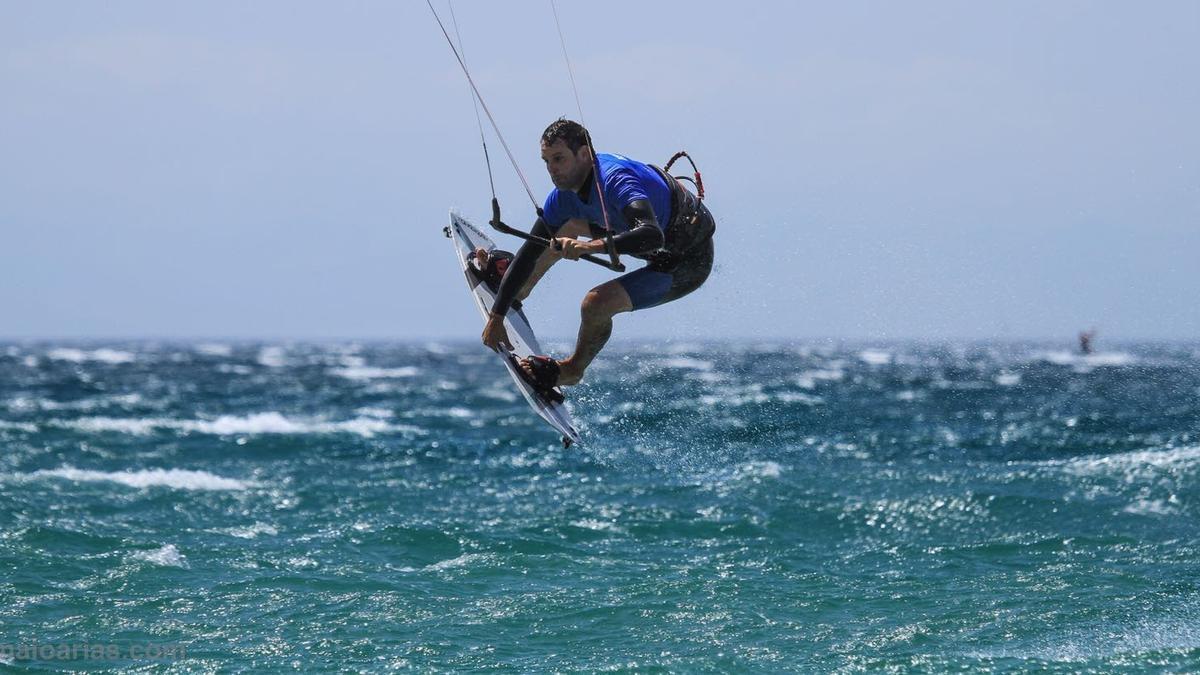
(695, 171)
(686, 212)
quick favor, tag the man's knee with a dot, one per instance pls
(605, 301)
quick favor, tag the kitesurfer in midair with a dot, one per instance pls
(1085, 341)
(652, 216)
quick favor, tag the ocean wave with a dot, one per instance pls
(1153, 507)
(747, 396)
(462, 561)
(259, 423)
(597, 525)
(737, 397)
(1134, 463)
(180, 479)
(465, 560)
(105, 355)
(1151, 635)
(272, 357)
(1007, 379)
(681, 348)
(376, 413)
(755, 470)
(214, 349)
(166, 556)
(809, 378)
(758, 470)
(369, 373)
(875, 357)
(686, 362)
(249, 532)
(136, 427)
(25, 404)
(1066, 358)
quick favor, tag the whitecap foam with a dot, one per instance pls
(275, 423)
(436, 348)
(272, 357)
(752, 395)
(461, 561)
(81, 404)
(369, 373)
(1151, 507)
(875, 357)
(23, 404)
(134, 427)
(597, 525)
(214, 349)
(686, 362)
(105, 355)
(226, 425)
(1066, 358)
(1175, 632)
(379, 413)
(1008, 379)
(19, 426)
(180, 479)
(809, 378)
(350, 361)
(113, 356)
(682, 348)
(505, 394)
(797, 397)
(250, 531)
(765, 469)
(167, 556)
(1133, 464)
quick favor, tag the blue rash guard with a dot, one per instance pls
(625, 181)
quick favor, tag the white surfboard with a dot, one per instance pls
(467, 238)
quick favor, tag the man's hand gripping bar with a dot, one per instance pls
(614, 265)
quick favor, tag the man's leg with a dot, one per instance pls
(596, 313)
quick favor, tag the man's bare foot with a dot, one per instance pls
(567, 375)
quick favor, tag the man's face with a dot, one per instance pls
(567, 169)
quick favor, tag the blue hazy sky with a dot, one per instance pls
(878, 170)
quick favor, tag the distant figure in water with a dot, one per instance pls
(1085, 341)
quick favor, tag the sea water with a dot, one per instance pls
(800, 507)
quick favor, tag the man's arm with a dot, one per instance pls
(544, 262)
(644, 234)
(522, 270)
(518, 277)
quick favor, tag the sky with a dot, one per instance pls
(921, 170)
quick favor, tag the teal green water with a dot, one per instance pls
(735, 507)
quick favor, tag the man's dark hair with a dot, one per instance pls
(571, 133)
